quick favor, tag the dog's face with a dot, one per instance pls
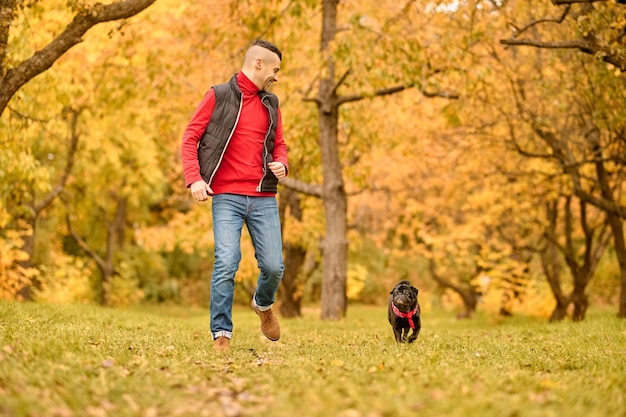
(404, 296)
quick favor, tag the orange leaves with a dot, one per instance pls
(13, 276)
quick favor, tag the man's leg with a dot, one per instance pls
(228, 216)
(264, 226)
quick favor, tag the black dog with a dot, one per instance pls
(404, 312)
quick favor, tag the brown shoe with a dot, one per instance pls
(269, 323)
(221, 343)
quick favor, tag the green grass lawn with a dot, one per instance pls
(91, 361)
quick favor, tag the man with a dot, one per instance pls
(233, 150)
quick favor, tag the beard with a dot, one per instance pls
(268, 84)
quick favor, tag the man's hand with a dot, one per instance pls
(200, 191)
(278, 169)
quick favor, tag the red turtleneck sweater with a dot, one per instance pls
(242, 166)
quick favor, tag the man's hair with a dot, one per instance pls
(269, 46)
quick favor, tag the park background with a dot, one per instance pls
(475, 148)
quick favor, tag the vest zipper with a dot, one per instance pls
(265, 152)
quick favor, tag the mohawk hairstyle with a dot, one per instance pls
(269, 46)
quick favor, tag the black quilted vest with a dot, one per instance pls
(219, 131)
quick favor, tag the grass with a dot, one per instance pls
(91, 361)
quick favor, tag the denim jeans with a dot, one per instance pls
(260, 214)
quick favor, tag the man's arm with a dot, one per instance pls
(193, 133)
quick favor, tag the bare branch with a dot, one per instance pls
(308, 91)
(605, 54)
(83, 244)
(568, 2)
(383, 92)
(342, 80)
(393, 90)
(570, 167)
(527, 154)
(544, 20)
(302, 187)
(69, 165)
(583, 46)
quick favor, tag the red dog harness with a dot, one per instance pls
(408, 315)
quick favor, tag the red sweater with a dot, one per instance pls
(242, 167)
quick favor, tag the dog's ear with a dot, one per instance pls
(415, 290)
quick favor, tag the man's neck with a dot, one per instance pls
(250, 76)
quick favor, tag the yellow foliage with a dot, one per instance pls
(189, 231)
(357, 274)
(13, 276)
(13, 279)
(536, 301)
(123, 289)
(65, 281)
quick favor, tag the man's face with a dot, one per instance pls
(269, 72)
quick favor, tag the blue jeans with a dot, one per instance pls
(260, 214)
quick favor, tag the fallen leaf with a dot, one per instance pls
(107, 363)
(338, 363)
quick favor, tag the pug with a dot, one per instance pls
(404, 312)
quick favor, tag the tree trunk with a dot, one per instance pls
(106, 273)
(617, 230)
(334, 246)
(290, 297)
(581, 303)
(621, 256)
(106, 265)
(468, 295)
(469, 301)
(551, 265)
(295, 255)
(559, 312)
(616, 222)
(595, 241)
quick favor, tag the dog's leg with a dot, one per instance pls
(397, 335)
(416, 333)
(405, 334)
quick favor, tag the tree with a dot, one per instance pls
(589, 33)
(16, 71)
(338, 69)
(582, 267)
(38, 205)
